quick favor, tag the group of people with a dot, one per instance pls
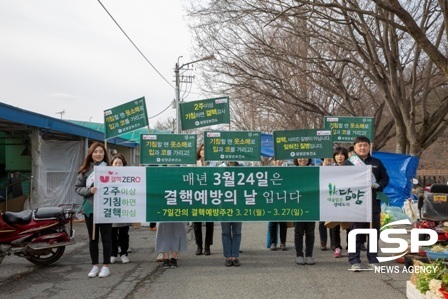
(305, 230)
(113, 236)
(171, 237)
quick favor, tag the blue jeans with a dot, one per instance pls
(231, 238)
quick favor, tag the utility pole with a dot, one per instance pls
(177, 69)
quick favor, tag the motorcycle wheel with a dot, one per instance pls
(46, 256)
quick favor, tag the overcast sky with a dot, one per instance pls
(70, 56)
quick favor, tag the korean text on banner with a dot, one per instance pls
(121, 194)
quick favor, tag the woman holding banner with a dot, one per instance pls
(197, 226)
(275, 227)
(171, 238)
(120, 231)
(340, 154)
(96, 156)
(304, 229)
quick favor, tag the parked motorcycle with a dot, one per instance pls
(38, 235)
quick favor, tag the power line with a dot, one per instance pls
(136, 46)
(160, 112)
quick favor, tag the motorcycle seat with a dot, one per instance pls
(49, 212)
(22, 217)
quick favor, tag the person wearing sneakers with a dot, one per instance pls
(231, 241)
(275, 227)
(323, 232)
(351, 151)
(84, 186)
(197, 226)
(340, 154)
(362, 149)
(171, 238)
(304, 229)
(120, 231)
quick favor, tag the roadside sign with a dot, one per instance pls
(295, 144)
(345, 128)
(204, 113)
(232, 146)
(125, 118)
(167, 149)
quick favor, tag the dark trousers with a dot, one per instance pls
(304, 229)
(335, 236)
(197, 227)
(354, 258)
(273, 232)
(323, 232)
(106, 240)
(120, 237)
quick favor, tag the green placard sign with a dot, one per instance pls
(294, 144)
(234, 193)
(173, 194)
(125, 118)
(167, 149)
(345, 128)
(232, 146)
(204, 113)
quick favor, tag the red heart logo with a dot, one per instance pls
(104, 179)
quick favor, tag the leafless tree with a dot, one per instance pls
(292, 62)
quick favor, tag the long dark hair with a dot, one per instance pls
(198, 153)
(85, 167)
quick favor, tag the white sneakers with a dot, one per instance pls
(94, 272)
(105, 271)
(124, 259)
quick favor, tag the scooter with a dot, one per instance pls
(38, 235)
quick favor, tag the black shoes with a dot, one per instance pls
(173, 262)
(228, 262)
(236, 262)
(199, 250)
(207, 250)
(166, 264)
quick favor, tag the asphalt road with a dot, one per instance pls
(262, 274)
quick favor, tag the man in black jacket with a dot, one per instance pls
(362, 149)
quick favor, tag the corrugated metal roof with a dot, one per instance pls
(17, 119)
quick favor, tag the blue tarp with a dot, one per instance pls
(267, 145)
(401, 169)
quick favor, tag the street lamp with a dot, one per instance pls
(177, 68)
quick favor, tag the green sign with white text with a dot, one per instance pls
(167, 149)
(296, 144)
(181, 194)
(232, 146)
(345, 128)
(125, 118)
(204, 113)
(235, 193)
